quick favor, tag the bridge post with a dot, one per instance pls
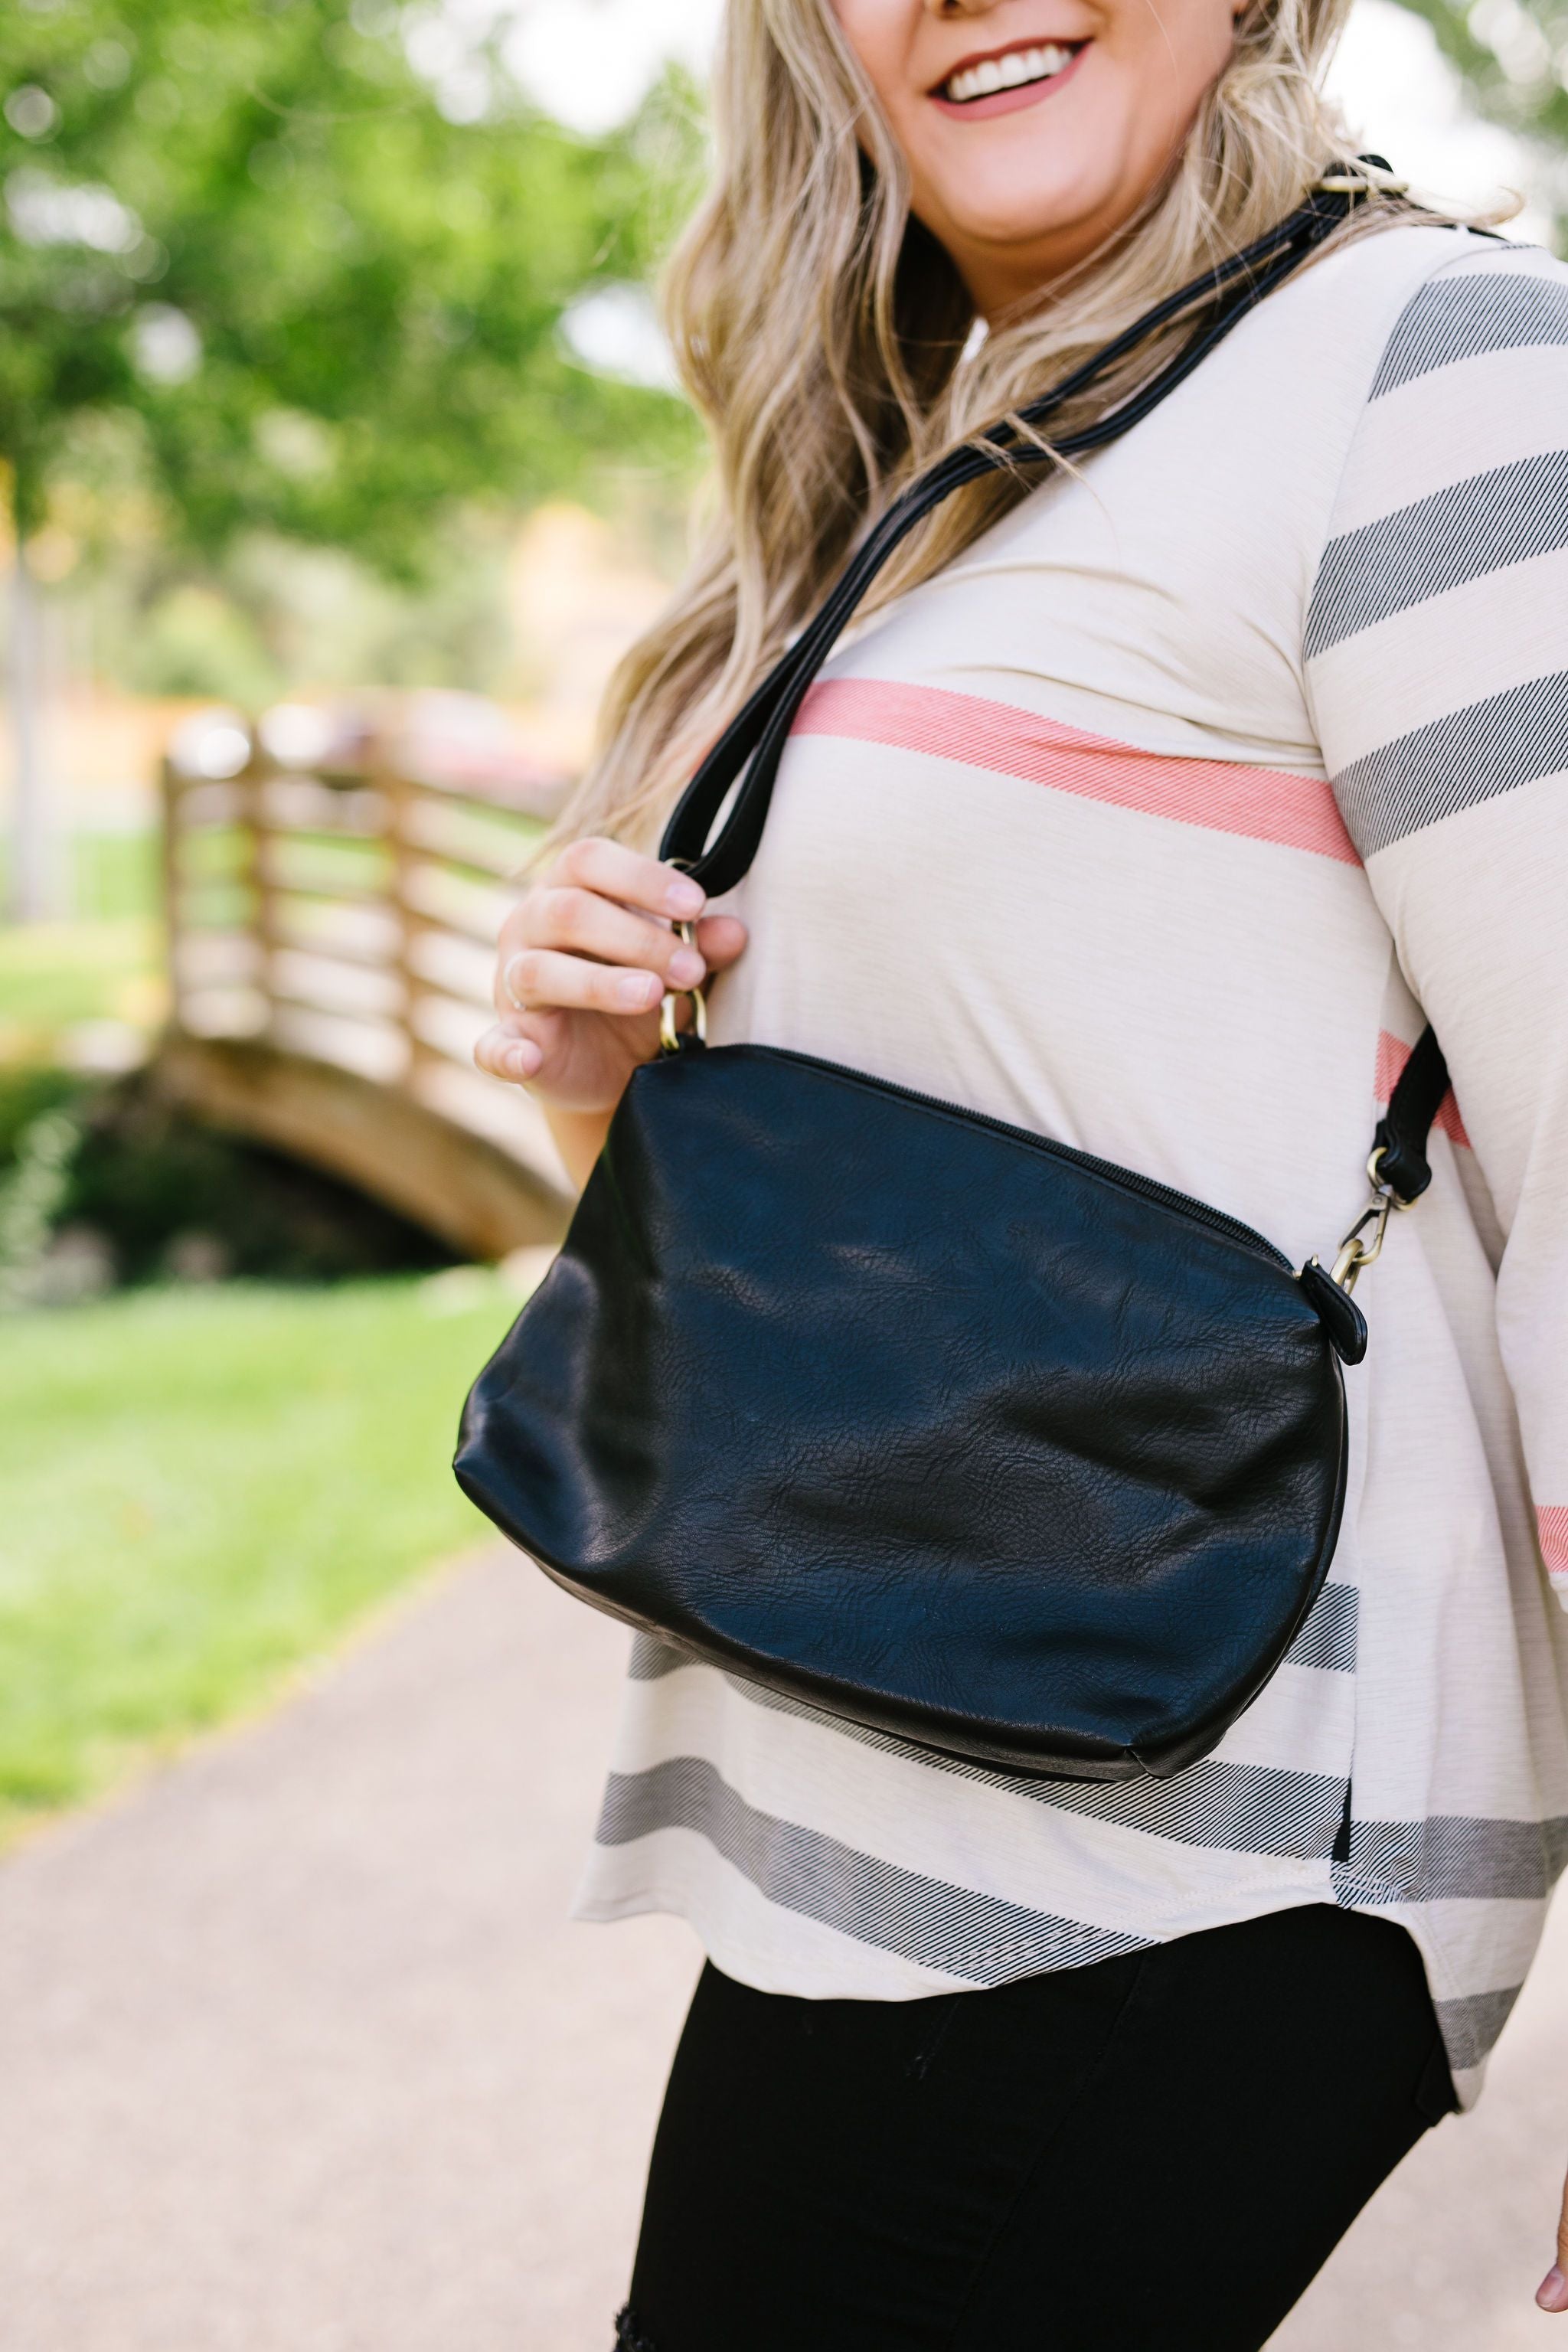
(397, 791)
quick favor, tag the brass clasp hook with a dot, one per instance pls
(1354, 1252)
(669, 1034)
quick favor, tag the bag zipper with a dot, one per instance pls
(1146, 1188)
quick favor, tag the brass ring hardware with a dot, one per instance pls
(1372, 180)
(669, 1034)
(1354, 1252)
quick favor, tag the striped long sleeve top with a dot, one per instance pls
(1159, 822)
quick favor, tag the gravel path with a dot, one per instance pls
(298, 2052)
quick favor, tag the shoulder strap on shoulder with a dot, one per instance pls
(744, 761)
(749, 750)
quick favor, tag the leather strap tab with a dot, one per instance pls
(1337, 1311)
(1402, 1129)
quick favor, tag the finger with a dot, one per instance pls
(542, 978)
(719, 939)
(583, 924)
(509, 1055)
(1551, 2295)
(544, 1035)
(616, 872)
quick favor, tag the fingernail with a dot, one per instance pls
(636, 991)
(686, 967)
(523, 1059)
(1551, 2295)
(685, 899)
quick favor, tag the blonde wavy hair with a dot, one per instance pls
(824, 338)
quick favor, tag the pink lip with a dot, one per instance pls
(1009, 101)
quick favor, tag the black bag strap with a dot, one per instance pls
(753, 740)
(748, 752)
(1400, 1154)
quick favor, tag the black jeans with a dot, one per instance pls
(1155, 2154)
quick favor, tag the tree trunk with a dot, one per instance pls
(32, 891)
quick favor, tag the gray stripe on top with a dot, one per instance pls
(1448, 1858)
(975, 1936)
(1242, 1808)
(652, 1657)
(1458, 317)
(1257, 1809)
(1457, 762)
(1327, 1639)
(1460, 533)
(1470, 2026)
(963, 1933)
(1451, 1857)
(1245, 1808)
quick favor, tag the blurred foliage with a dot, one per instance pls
(1512, 56)
(248, 261)
(29, 1092)
(266, 616)
(145, 1178)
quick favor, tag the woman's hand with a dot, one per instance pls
(1551, 2295)
(583, 961)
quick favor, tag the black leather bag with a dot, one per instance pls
(910, 1415)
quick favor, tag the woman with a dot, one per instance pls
(1153, 808)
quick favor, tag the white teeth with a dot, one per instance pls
(1011, 73)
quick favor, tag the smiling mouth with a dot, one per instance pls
(1013, 69)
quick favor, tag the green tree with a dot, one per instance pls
(1512, 56)
(246, 247)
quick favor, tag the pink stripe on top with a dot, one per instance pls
(1392, 1053)
(1551, 1521)
(1261, 803)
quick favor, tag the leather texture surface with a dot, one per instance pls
(919, 1419)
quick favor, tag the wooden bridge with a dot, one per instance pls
(331, 933)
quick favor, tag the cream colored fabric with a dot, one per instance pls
(1146, 827)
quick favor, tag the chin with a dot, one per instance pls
(1022, 183)
(1007, 215)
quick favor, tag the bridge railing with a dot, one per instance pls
(346, 914)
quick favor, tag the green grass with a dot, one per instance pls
(203, 1487)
